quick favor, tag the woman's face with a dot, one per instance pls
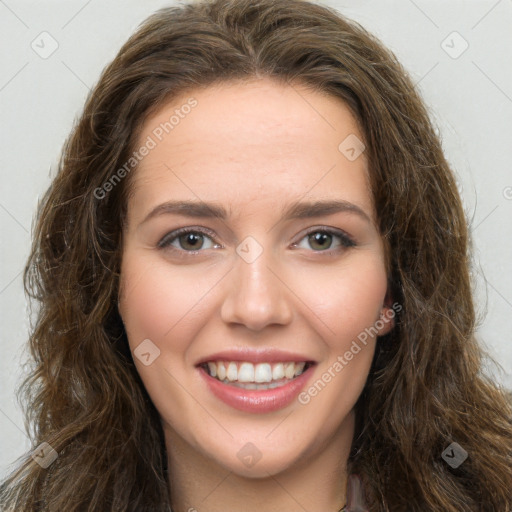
(270, 278)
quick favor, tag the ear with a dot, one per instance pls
(386, 321)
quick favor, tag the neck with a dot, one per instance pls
(317, 482)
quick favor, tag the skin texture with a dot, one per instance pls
(254, 148)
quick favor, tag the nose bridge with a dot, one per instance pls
(256, 296)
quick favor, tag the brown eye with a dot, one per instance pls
(320, 240)
(192, 241)
(323, 240)
(186, 240)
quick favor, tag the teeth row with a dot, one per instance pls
(248, 372)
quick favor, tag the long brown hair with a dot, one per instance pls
(426, 388)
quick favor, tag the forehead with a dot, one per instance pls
(258, 141)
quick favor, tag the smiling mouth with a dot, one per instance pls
(255, 376)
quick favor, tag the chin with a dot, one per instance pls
(265, 467)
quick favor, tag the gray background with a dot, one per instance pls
(469, 94)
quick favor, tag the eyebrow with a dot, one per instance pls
(297, 210)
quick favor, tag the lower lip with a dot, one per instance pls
(257, 401)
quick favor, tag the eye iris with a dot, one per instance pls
(194, 239)
(321, 238)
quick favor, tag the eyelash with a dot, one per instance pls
(165, 242)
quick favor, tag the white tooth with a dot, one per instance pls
(289, 370)
(232, 372)
(278, 371)
(299, 368)
(246, 372)
(221, 371)
(263, 373)
(213, 369)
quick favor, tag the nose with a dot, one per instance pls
(257, 295)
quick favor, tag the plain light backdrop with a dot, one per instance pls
(457, 51)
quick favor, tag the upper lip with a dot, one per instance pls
(256, 356)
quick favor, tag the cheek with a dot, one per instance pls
(349, 310)
(345, 300)
(159, 302)
(162, 304)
